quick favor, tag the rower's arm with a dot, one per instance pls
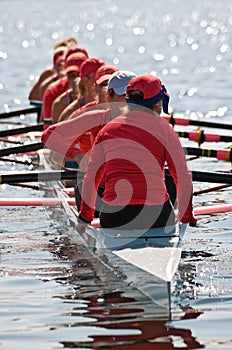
(177, 165)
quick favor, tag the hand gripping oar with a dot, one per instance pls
(24, 130)
(21, 149)
(57, 175)
(17, 113)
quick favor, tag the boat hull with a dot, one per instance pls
(144, 259)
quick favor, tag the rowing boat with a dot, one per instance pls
(146, 260)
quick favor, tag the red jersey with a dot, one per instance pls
(131, 152)
(51, 93)
(82, 129)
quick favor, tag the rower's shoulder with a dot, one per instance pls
(46, 73)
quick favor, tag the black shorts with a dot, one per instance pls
(137, 216)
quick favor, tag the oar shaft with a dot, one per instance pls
(207, 176)
(213, 209)
(18, 131)
(21, 149)
(34, 201)
(11, 141)
(211, 189)
(214, 177)
(17, 113)
(34, 187)
(210, 124)
(55, 175)
(17, 161)
(58, 175)
(200, 136)
(185, 121)
(220, 154)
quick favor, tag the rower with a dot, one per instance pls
(88, 71)
(131, 152)
(56, 71)
(62, 137)
(72, 69)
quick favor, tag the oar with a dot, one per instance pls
(24, 130)
(36, 103)
(220, 154)
(41, 201)
(10, 141)
(24, 111)
(185, 121)
(208, 176)
(17, 161)
(211, 189)
(213, 209)
(28, 201)
(57, 175)
(213, 177)
(7, 122)
(21, 149)
(35, 187)
(200, 136)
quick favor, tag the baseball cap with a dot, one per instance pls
(74, 61)
(90, 65)
(119, 80)
(104, 73)
(76, 48)
(152, 89)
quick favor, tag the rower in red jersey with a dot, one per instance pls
(131, 153)
(83, 126)
(72, 65)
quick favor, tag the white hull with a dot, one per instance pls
(149, 265)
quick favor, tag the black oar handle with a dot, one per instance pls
(17, 113)
(18, 131)
(21, 149)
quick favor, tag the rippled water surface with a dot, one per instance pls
(53, 293)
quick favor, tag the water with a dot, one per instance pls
(53, 294)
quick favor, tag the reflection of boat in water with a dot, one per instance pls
(145, 259)
(122, 323)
